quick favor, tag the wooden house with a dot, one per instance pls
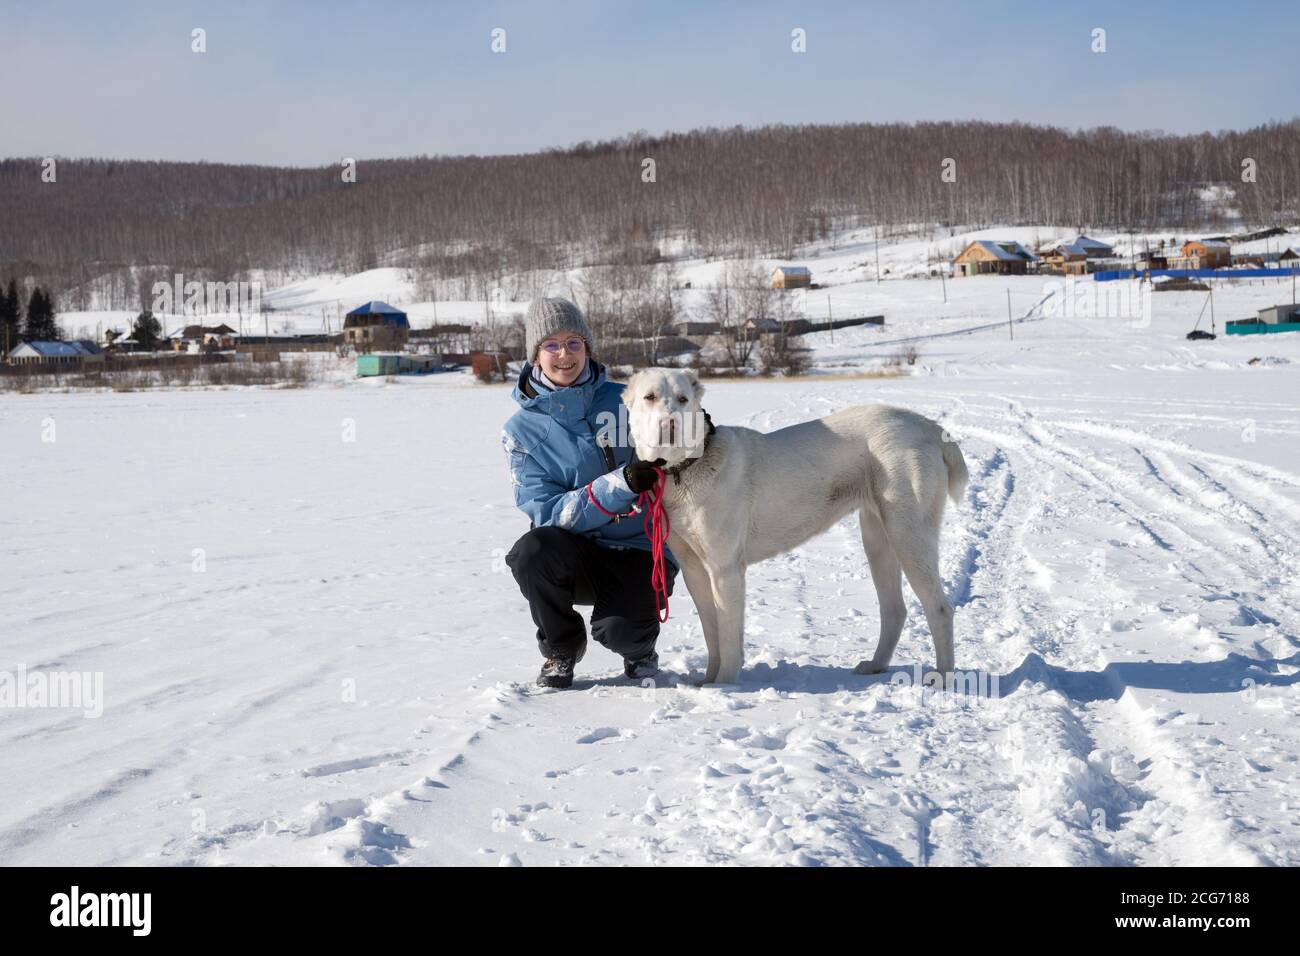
(1077, 256)
(1202, 254)
(994, 257)
(1063, 259)
(791, 277)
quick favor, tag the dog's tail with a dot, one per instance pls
(956, 464)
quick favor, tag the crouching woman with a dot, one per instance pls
(577, 552)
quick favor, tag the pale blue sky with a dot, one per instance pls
(306, 83)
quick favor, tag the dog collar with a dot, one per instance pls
(676, 470)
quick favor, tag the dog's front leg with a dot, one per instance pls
(729, 602)
(701, 588)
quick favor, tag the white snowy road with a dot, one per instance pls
(312, 651)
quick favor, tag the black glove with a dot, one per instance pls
(640, 475)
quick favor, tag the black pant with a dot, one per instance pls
(557, 569)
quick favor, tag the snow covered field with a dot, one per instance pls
(312, 651)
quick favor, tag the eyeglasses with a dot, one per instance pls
(573, 345)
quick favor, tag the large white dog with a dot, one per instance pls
(736, 496)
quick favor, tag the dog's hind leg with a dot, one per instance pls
(887, 574)
(916, 542)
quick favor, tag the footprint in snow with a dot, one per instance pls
(600, 733)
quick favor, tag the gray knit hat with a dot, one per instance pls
(546, 317)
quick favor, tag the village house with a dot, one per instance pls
(376, 325)
(1078, 256)
(994, 257)
(791, 277)
(81, 352)
(195, 338)
(1280, 314)
(1202, 254)
(448, 338)
(689, 327)
(1093, 248)
(1254, 260)
(762, 326)
(1063, 259)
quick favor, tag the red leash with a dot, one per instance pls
(656, 529)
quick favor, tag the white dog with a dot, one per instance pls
(735, 496)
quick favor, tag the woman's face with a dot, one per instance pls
(562, 367)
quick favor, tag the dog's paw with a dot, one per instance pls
(868, 667)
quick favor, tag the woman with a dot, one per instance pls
(575, 552)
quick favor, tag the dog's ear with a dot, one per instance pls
(629, 389)
(696, 385)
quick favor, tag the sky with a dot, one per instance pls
(306, 84)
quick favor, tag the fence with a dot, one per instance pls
(1253, 327)
(120, 363)
(1114, 274)
(845, 323)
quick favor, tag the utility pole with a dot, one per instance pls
(1010, 329)
(877, 229)
(943, 281)
(829, 320)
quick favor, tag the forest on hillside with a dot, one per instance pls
(112, 228)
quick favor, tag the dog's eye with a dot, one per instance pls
(650, 397)
(682, 399)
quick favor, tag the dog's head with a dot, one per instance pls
(664, 414)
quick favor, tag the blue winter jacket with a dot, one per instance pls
(551, 441)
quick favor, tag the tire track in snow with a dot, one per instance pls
(1159, 789)
(363, 827)
(1044, 751)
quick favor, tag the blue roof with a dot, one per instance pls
(65, 349)
(385, 313)
(377, 308)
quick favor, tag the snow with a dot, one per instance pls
(312, 651)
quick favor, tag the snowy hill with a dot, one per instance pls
(857, 270)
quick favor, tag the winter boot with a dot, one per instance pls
(640, 669)
(558, 671)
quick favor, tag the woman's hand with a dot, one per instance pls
(640, 475)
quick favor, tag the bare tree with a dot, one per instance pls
(465, 222)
